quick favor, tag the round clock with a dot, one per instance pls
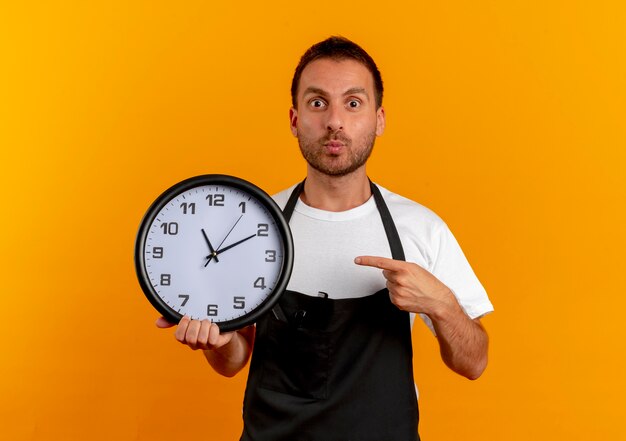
(214, 247)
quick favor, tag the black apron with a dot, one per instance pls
(333, 370)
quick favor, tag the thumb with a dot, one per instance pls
(161, 322)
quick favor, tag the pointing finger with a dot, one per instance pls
(380, 262)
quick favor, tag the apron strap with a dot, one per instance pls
(293, 199)
(397, 252)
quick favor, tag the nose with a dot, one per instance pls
(334, 120)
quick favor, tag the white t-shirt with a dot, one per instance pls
(326, 243)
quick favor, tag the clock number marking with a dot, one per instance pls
(157, 252)
(239, 302)
(263, 229)
(211, 310)
(271, 255)
(215, 200)
(188, 207)
(166, 279)
(243, 207)
(185, 298)
(260, 283)
(170, 228)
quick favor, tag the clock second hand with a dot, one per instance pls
(214, 253)
(230, 231)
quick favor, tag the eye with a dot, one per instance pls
(353, 104)
(317, 103)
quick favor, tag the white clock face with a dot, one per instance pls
(213, 252)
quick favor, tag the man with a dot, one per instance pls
(336, 362)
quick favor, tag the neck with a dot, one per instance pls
(336, 193)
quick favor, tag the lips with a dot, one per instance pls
(334, 144)
(334, 147)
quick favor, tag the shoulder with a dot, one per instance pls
(421, 230)
(282, 197)
(406, 210)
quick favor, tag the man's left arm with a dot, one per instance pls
(463, 342)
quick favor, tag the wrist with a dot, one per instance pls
(223, 347)
(446, 308)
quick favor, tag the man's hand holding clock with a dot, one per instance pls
(198, 334)
(227, 352)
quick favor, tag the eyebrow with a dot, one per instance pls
(356, 90)
(351, 91)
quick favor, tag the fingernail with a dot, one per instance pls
(357, 260)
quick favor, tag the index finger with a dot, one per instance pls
(380, 262)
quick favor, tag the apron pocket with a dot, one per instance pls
(296, 361)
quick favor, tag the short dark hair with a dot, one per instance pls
(337, 48)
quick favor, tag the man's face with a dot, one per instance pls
(336, 121)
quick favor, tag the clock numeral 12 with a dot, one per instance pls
(216, 200)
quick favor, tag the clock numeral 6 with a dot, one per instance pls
(260, 283)
(263, 229)
(211, 310)
(239, 302)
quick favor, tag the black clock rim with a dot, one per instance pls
(252, 317)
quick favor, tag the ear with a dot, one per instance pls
(293, 121)
(380, 121)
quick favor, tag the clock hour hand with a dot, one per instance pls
(213, 253)
(221, 250)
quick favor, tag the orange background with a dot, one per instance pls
(506, 118)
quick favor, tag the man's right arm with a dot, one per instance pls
(227, 353)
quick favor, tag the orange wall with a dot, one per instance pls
(506, 118)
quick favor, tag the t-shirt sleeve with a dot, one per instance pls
(451, 267)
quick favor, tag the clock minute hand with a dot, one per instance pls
(221, 250)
